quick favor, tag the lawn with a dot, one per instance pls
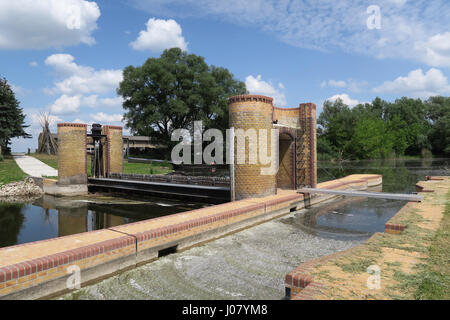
(435, 276)
(136, 168)
(10, 171)
(50, 160)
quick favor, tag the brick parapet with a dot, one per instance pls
(250, 97)
(300, 283)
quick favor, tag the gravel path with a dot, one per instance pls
(250, 264)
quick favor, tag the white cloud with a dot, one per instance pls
(66, 105)
(258, 86)
(34, 64)
(436, 50)
(36, 120)
(31, 24)
(82, 86)
(417, 84)
(81, 79)
(159, 35)
(327, 25)
(345, 99)
(103, 117)
(353, 86)
(93, 101)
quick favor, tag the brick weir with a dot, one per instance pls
(44, 268)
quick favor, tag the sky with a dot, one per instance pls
(66, 57)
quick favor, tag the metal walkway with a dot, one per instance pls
(356, 193)
(210, 194)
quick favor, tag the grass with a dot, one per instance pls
(50, 160)
(435, 274)
(10, 171)
(144, 168)
(132, 168)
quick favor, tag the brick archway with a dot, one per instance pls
(286, 178)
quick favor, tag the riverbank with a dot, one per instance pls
(22, 189)
(408, 261)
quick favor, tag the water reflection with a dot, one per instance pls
(11, 220)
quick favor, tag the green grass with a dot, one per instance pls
(132, 168)
(50, 160)
(435, 275)
(145, 168)
(10, 171)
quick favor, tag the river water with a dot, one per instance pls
(250, 264)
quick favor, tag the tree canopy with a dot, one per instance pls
(172, 91)
(11, 117)
(382, 129)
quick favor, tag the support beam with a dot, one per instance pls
(356, 193)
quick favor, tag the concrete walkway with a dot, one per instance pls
(34, 167)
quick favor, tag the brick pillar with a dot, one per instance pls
(306, 154)
(72, 165)
(113, 152)
(252, 112)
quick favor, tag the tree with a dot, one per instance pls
(11, 117)
(439, 114)
(172, 91)
(371, 139)
(337, 121)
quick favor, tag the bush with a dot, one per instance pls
(1, 157)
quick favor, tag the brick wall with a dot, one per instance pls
(113, 156)
(252, 112)
(306, 165)
(289, 117)
(72, 153)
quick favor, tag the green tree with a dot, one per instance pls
(172, 91)
(337, 121)
(11, 117)
(398, 130)
(414, 113)
(371, 139)
(439, 114)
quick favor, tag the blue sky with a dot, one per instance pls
(66, 56)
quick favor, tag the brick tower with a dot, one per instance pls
(252, 112)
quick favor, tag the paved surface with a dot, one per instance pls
(34, 167)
